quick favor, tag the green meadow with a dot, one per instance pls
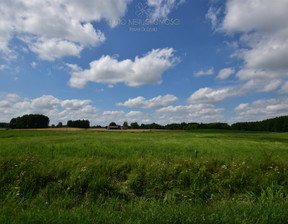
(143, 177)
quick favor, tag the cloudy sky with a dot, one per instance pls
(160, 61)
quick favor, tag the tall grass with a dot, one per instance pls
(154, 177)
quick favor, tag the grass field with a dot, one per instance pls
(143, 177)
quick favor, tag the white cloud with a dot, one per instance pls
(284, 88)
(2, 67)
(162, 8)
(270, 54)
(134, 114)
(212, 15)
(156, 102)
(113, 113)
(44, 103)
(203, 72)
(225, 73)
(56, 109)
(241, 107)
(260, 80)
(262, 15)
(143, 70)
(4, 103)
(263, 29)
(67, 21)
(191, 113)
(262, 109)
(12, 97)
(270, 86)
(51, 49)
(74, 104)
(33, 64)
(210, 96)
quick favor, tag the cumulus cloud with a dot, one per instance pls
(74, 104)
(156, 102)
(192, 113)
(262, 15)
(44, 104)
(210, 96)
(143, 70)
(113, 113)
(263, 29)
(225, 73)
(12, 97)
(51, 49)
(262, 109)
(65, 24)
(204, 72)
(134, 114)
(12, 105)
(59, 110)
(162, 8)
(284, 88)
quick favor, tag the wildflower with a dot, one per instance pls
(83, 169)
(276, 169)
(211, 197)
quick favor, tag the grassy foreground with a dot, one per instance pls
(149, 177)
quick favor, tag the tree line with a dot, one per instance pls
(78, 124)
(29, 121)
(278, 124)
(180, 126)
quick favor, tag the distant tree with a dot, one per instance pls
(134, 125)
(278, 124)
(30, 121)
(59, 125)
(125, 124)
(4, 125)
(12, 123)
(112, 124)
(69, 123)
(78, 124)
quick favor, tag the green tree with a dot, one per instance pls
(59, 125)
(112, 124)
(125, 124)
(135, 125)
(30, 121)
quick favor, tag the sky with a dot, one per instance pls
(145, 61)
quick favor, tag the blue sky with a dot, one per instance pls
(144, 61)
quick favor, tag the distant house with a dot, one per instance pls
(114, 127)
